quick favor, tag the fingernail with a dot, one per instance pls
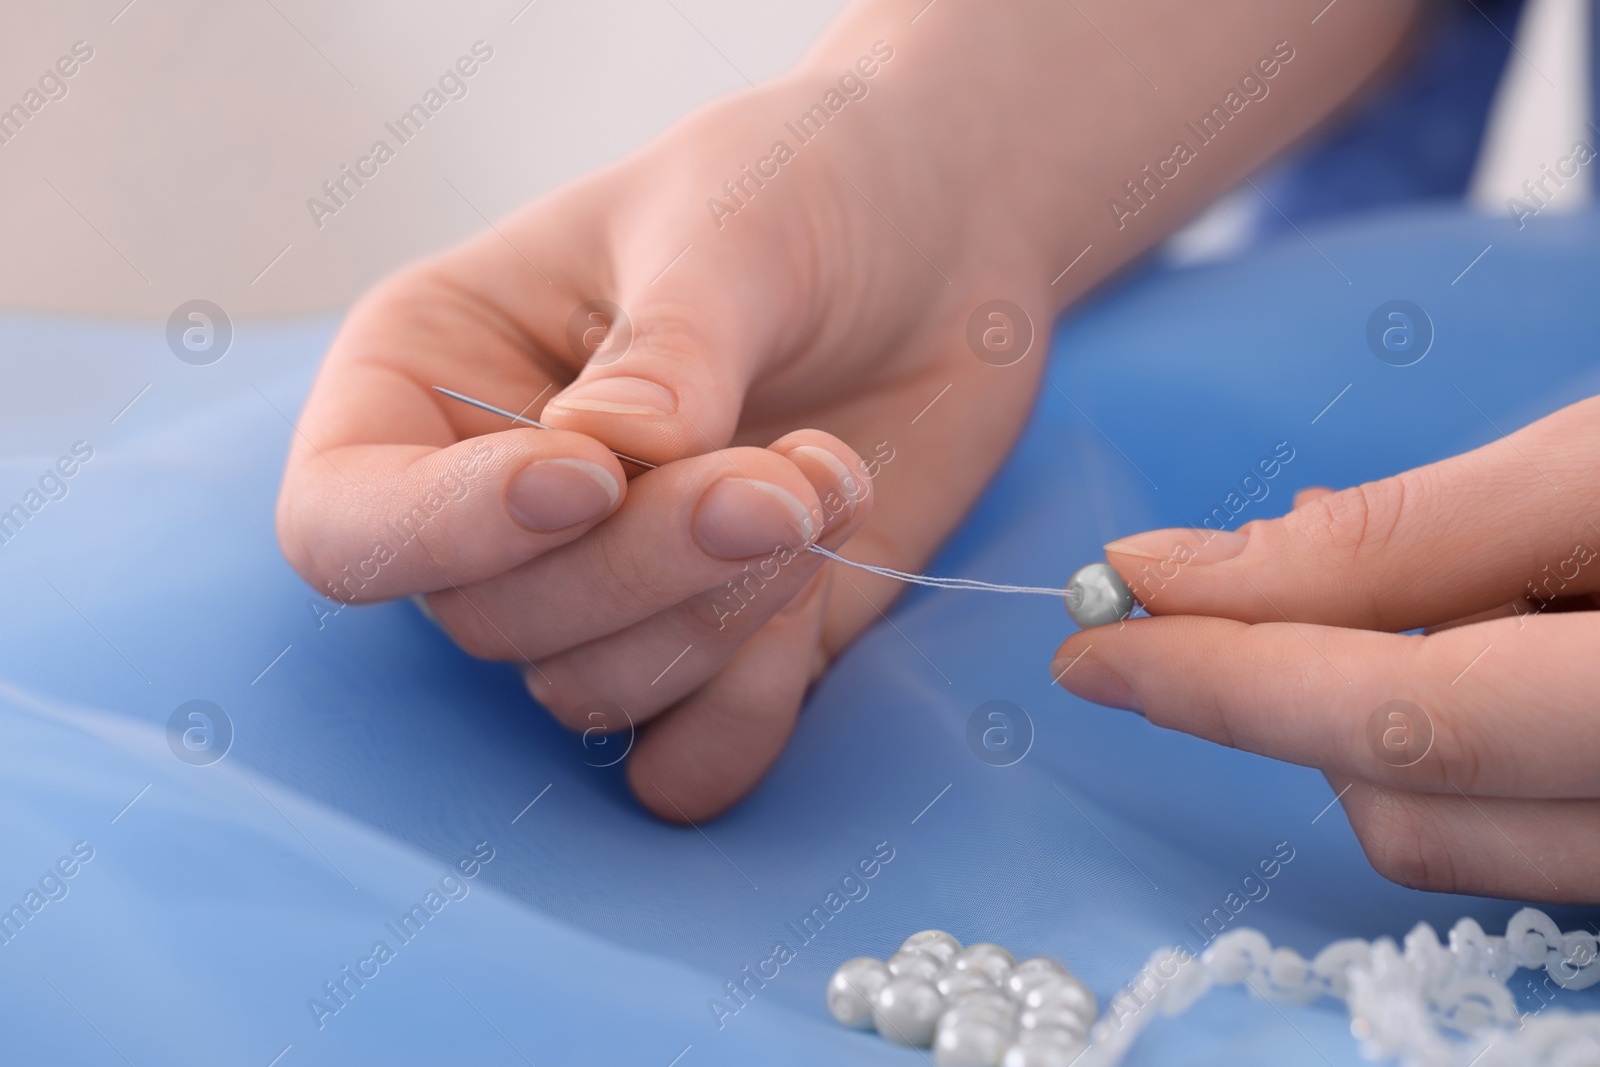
(1182, 546)
(1089, 677)
(739, 518)
(553, 494)
(618, 396)
(422, 605)
(838, 502)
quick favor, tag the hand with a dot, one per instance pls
(833, 289)
(684, 597)
(1283, 638)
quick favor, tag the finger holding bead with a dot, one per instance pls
(1486, 528)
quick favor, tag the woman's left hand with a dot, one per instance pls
(1467, 757)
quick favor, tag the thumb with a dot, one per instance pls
(668, 368)
(1483, 529)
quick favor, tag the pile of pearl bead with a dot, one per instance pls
(975, 1006)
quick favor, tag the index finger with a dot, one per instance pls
(391, 488)
(369, 522)
(1509, 520)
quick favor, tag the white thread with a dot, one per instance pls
(886, 572)
(939, 583)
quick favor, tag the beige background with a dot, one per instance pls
(180, 161)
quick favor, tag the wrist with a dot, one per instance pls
(1021, 127)
(930, 131)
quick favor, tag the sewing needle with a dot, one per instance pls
(465, 399)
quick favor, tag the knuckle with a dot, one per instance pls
(636, 583)
(1465, 752)
(1404, 844)
(1360, 520)
(1459, 757)
(443, 551)
(718, 612)
(760, 590)
(419, 295)
(670, 331)
(467, 627)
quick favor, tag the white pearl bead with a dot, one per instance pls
(1030, 974)
(914, 965)
(906, 1010)
(988, 1004)
(992, 961)
(970, 1044)
(936, 943)
(1097, 595)
(1070, 1020)
(954, 985)
(852, 989)
(1042, 964)
(1063, 992)
(1043, 1048)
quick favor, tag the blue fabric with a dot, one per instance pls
(1415, 136)
(369, 755)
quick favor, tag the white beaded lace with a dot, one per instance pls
(1422, 1003)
